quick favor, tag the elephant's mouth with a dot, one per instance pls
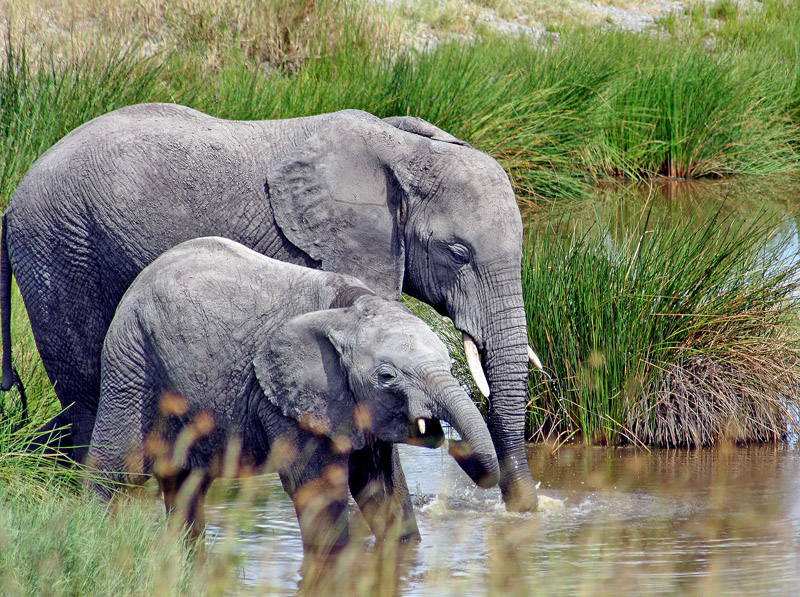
(427, 433)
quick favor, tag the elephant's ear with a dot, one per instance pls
(299, 369)
(418, 126)
(336, 198)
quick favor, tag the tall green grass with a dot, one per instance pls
(682, 110)
(772, 31)
(522, 105)
(679, 336)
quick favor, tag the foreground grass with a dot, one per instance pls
(681, 335)
(62, 544)
(56, 540)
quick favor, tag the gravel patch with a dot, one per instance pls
(638, 19)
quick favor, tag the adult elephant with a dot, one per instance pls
(397, 203)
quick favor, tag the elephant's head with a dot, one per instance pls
(372, 367)
(404, 206)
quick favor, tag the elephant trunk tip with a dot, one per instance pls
(487, 479)
(483, 469)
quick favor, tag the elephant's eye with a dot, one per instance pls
(385, 375)
(459, 253)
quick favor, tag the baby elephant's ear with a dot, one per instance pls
(299, 370)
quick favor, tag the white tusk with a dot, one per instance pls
(421, 426)
(534, 359)
(474, 364)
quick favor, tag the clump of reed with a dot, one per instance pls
(681, 335)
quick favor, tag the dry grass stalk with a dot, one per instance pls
(745, 391)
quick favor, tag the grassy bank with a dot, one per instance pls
(696, 99)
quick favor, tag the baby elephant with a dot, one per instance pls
(215, 345)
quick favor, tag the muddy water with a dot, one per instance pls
(611, 521)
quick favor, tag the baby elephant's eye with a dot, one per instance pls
(385, 375)
(459, 253)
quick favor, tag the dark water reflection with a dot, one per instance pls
(622, 206)
(622, 212)
(612, 521)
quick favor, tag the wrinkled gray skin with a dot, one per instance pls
(272, 351)
(399, 204)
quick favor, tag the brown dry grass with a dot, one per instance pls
(735, 390)
(272, 33)
(278, 32)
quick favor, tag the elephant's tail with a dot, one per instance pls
(5, 309)
(10, 376)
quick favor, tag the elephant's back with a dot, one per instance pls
(226, 281)
(163, 132)
(199, 312)
(141, 154)
(123, 188)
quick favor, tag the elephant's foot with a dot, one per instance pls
(520, 495)
(184, 497)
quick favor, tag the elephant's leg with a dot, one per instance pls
(379, 487)
(69, 322)
(70, 431)
(184, 496)
(82, 415)
(116, 454)
(73, 365)
(76, 383)
(169, 489)
(318, 489)
(125, 413)
(55, 436)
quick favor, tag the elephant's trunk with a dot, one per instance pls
(475, 454)
(505, 352)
